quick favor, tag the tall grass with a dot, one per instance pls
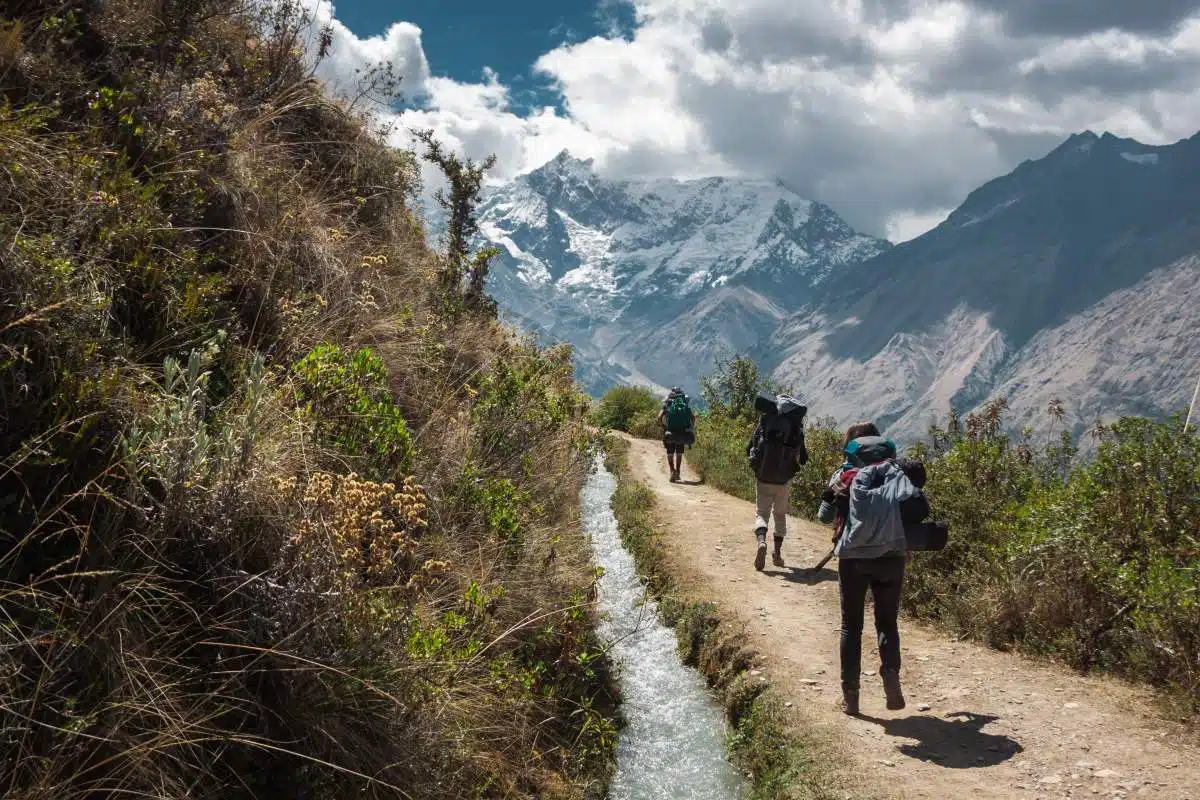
(282, 513)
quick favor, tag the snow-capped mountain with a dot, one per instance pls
(1076, 276)
(651, 280)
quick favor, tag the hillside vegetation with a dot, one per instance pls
(1092, 561)
(632, 409)
(284, 511)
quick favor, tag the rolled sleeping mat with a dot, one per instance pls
(926, 536)
(766, 404)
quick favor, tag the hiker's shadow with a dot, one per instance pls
(690, 483)
(955, 742)
(804, 576)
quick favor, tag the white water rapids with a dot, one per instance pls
(673, 742)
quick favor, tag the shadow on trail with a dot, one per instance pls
(804, 575)
(690, 483)
(950, 742)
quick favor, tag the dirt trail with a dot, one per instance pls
(979, 723)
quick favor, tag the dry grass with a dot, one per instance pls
(208, 589)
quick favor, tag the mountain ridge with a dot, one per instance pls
(1026, 258)
(614, 266)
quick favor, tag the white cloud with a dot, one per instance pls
(905, 225)
(888, 110)
(350, 56)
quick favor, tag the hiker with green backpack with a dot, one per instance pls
(679, 429)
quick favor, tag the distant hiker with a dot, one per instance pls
(679, 429)
(776, 451)
(870, 497)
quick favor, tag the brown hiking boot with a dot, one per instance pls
(760, 557)
(850, 700)
(777, 556)
(892, 690)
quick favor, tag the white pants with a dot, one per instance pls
(772, 497)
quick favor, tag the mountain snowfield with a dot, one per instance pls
(1074, 277)
(651, 280)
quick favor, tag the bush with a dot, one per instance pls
(719, 455)
(622, 406)
(347, 398)
(732, 388)
(645, 425)
(1091, 562)
(825, 455)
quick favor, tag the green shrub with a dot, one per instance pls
(824, 443)
(1092, 562)
(731, 389)
(347, 397)
(622, 406)
(505, 508)
(719, 455)
(645, 425)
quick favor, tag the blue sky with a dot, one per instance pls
(890, 111)
(462, 37)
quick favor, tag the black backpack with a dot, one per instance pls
(919, 532)
(778, 445)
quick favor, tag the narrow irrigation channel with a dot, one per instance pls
(673, 742)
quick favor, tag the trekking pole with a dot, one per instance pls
(1192, 407)
(823, 561)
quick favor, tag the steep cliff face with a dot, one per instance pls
(1072, 277)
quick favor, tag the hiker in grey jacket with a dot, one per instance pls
(872, 554)
(874, 528)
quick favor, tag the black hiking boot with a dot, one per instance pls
(777, 555)
(850, 700)
(892, 690)
(760, 557)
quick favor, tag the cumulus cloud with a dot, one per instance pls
(891, 111)
(349, 57)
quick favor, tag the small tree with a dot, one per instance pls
(621, 405)
(461, 266)
(734, 384)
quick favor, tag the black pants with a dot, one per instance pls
(885, 578)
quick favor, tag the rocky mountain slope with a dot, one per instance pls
(652, 280)
(1075, 276)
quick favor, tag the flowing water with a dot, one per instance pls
(673, 742)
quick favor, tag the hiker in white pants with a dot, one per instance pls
(772, 497)
(776, 451)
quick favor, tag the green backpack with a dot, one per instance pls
(679, 413)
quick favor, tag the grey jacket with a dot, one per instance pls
(874, 528)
